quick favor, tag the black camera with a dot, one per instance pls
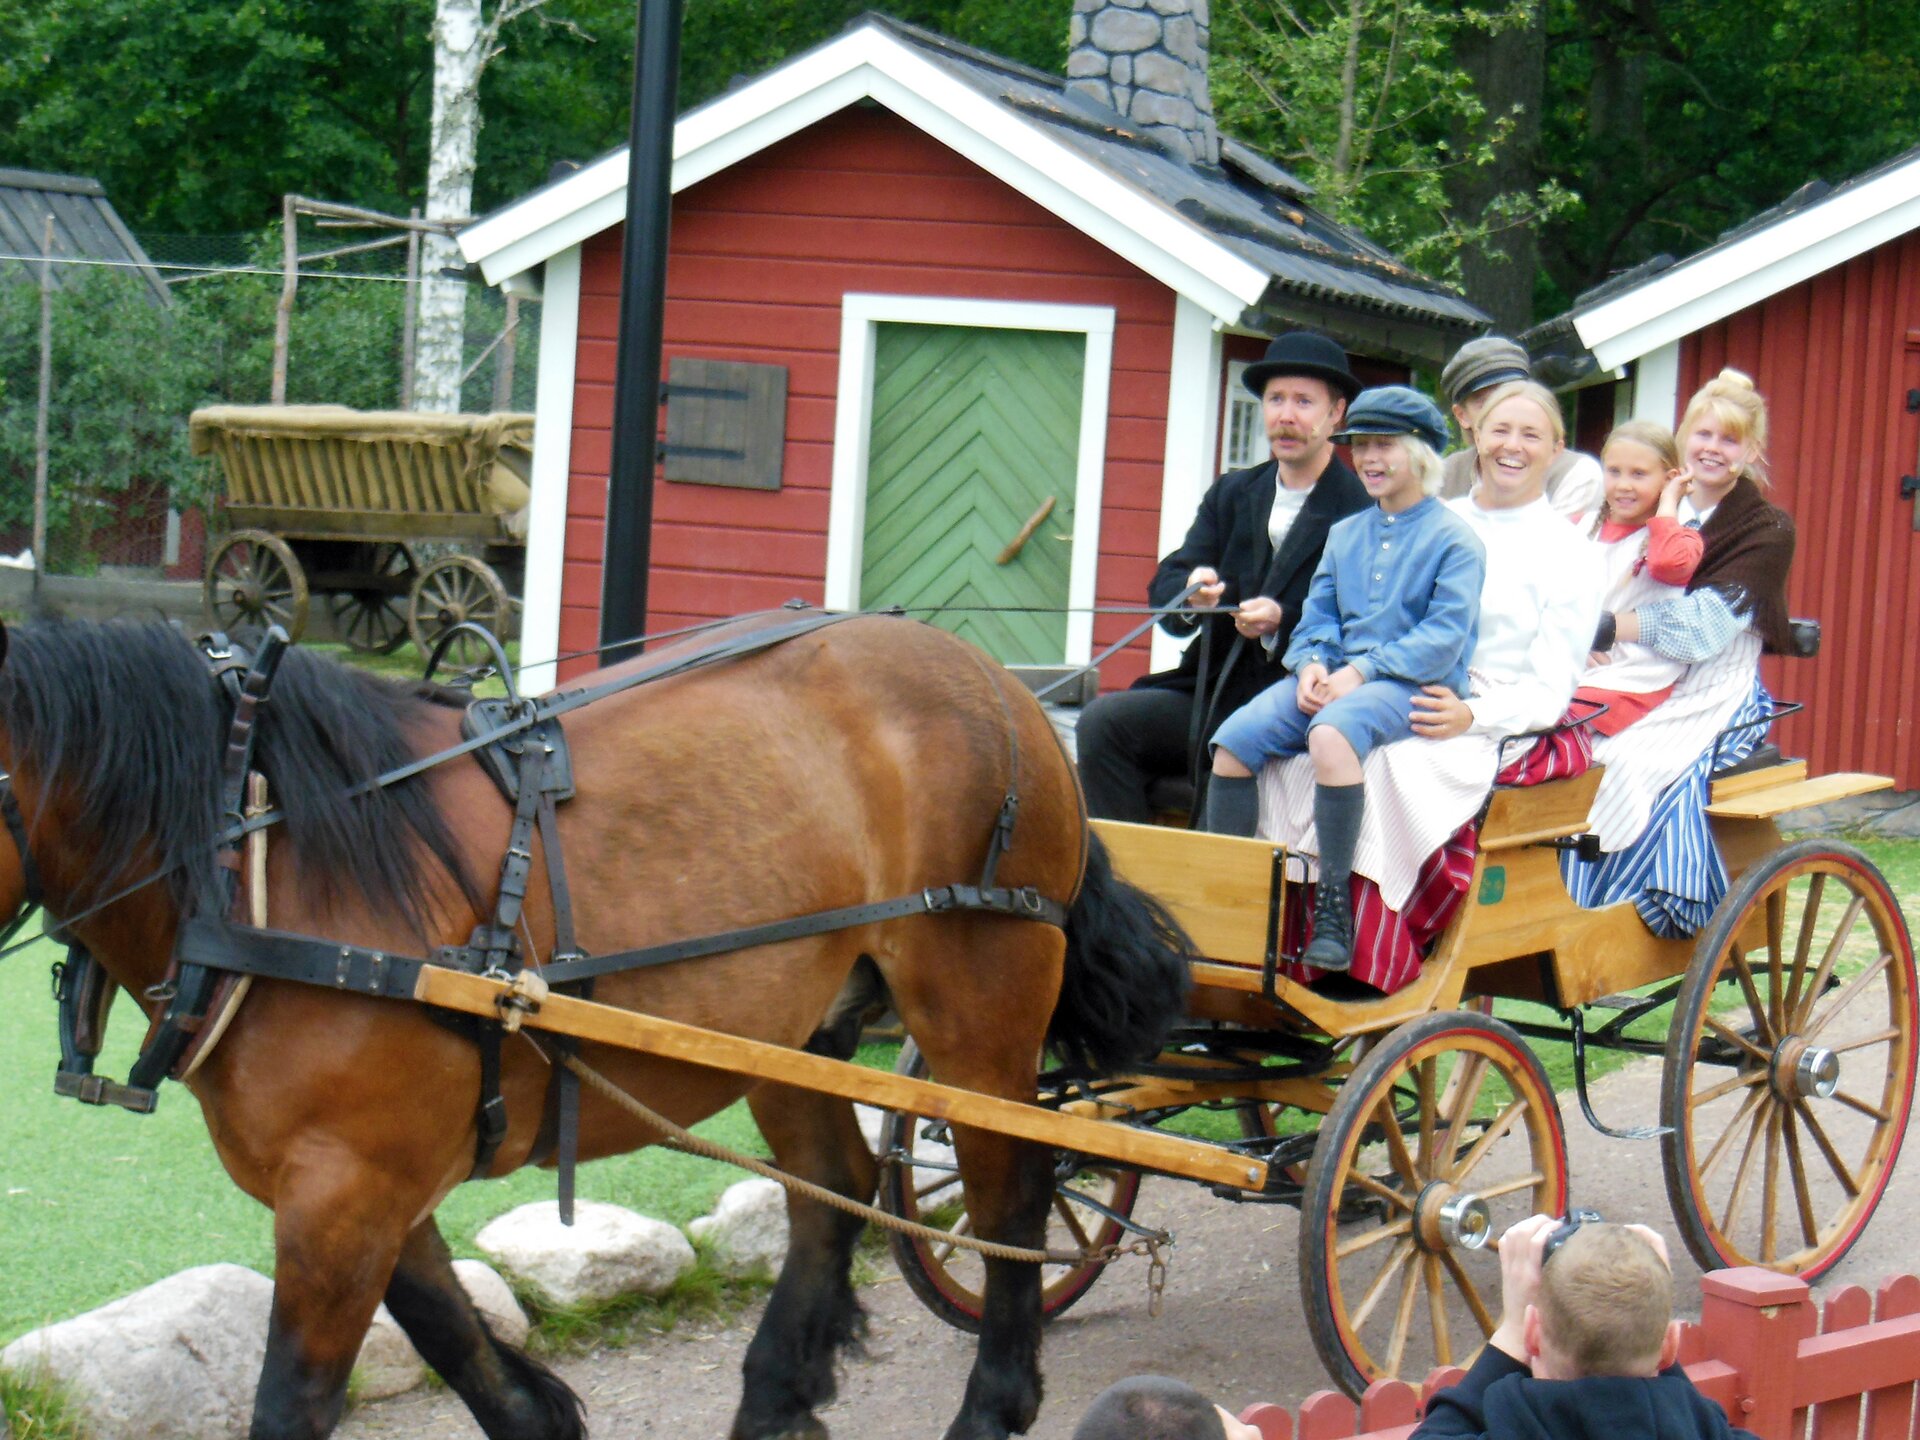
(1566, 1229)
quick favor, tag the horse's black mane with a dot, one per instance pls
(128, 716)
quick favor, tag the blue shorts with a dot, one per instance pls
(1272, 724)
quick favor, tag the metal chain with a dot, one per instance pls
(681, 1138)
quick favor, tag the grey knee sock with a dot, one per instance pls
(1336, 815)
(1233, 805)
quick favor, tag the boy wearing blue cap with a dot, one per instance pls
(1394, 605)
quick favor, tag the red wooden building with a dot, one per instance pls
(983, 290)
(1819, 301)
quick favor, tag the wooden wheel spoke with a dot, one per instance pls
(1756, 1007)
(1463, 1093)
(1367, 1239)
(1481, 1315)
(1402, 1255)
(1755, 1129)
(1502, 1123)
(946, 1180)
(1879, 1037)
(1437, 1312)
(1733, 1037)
(1801, 1003)
(1827, 1150)
(1397, 1142)
(1848, 994)
(1776, 906)
(1747, 1107)
(1375, 1187)
(1802, 1191)
(1428, 1101)
(1803, 947)
(1065, 1210)
(1507, 1187)
(1403, 1318)
(1770, 1184)
(1854, 1102)
(1702, 1097)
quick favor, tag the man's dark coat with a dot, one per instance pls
(1230, 534)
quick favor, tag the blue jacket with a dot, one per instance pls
(1396, 596)
(1500, 1400)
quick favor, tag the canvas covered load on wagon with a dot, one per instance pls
(330, 500)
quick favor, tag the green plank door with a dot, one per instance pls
(972, 430)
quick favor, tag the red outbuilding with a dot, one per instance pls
(922, 301)
(1819, 301)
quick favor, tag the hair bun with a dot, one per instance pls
(1731, 380)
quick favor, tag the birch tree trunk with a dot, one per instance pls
(461, 41)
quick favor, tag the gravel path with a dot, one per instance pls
(1231, 1324)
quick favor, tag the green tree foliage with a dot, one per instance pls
(1365, 100)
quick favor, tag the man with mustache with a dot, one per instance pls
(1252, 549)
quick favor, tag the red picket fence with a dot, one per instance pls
(1779, 1364)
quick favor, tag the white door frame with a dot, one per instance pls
(853, 431)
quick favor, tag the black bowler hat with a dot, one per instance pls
(1303, 352)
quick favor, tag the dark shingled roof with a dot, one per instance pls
(85, 227)
(1247, 203)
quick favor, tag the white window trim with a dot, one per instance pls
(853, 431)
(552, 467)
(1237, 394)
(1193, 382)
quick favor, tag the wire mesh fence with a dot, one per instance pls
(102, 360)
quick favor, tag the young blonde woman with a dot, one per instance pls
(1650, 810)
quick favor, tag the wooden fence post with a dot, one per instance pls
(1754, 1320)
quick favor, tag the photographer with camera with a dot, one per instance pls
(1586, 1345)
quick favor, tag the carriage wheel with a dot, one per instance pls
(253, 581)
(1442, 1137)
(452, 589)
(919, 1181)
(374, 620)
(1790, 1065)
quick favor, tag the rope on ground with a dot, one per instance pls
(680, 1138)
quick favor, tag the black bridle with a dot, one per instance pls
(29, 872)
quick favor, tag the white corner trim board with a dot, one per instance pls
(1193, 414)
(853, 431)
(552, 466)
(1656, 385)
(869, 63)
(1729, 278)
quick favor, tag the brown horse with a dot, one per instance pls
(857, 763)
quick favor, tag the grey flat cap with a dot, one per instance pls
(1478, 364)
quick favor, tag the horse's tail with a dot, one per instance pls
(1126, 979)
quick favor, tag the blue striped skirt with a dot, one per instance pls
(1673, 873)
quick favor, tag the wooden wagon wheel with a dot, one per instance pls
(373, 618)
(920, 1181)
(452, 589)
(1790, 1066)
(253, 581)
(1447, 1133)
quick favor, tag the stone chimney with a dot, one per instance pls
(1147, 59)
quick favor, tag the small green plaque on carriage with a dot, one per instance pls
(1493, 885)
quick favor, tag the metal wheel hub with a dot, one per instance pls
(1445, 1216)
(1801, 1070)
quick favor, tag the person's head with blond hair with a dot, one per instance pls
(1723, 435)
(1604, 1307)
(1519, 434)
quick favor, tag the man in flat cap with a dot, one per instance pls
(1573, 483)
(1252, 550)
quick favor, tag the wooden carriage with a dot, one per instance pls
(1409, 1128)
(329, 501)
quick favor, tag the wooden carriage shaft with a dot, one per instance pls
(672, 1040)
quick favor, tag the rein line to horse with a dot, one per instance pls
(678, 1137)
(562, 702)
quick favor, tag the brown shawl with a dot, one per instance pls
(1749, 552)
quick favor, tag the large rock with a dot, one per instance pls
(494, 1299)
(748, 1228)
(388, 1363)
(179, 1360)
(607, 1252)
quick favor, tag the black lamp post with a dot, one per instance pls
(643, 287)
